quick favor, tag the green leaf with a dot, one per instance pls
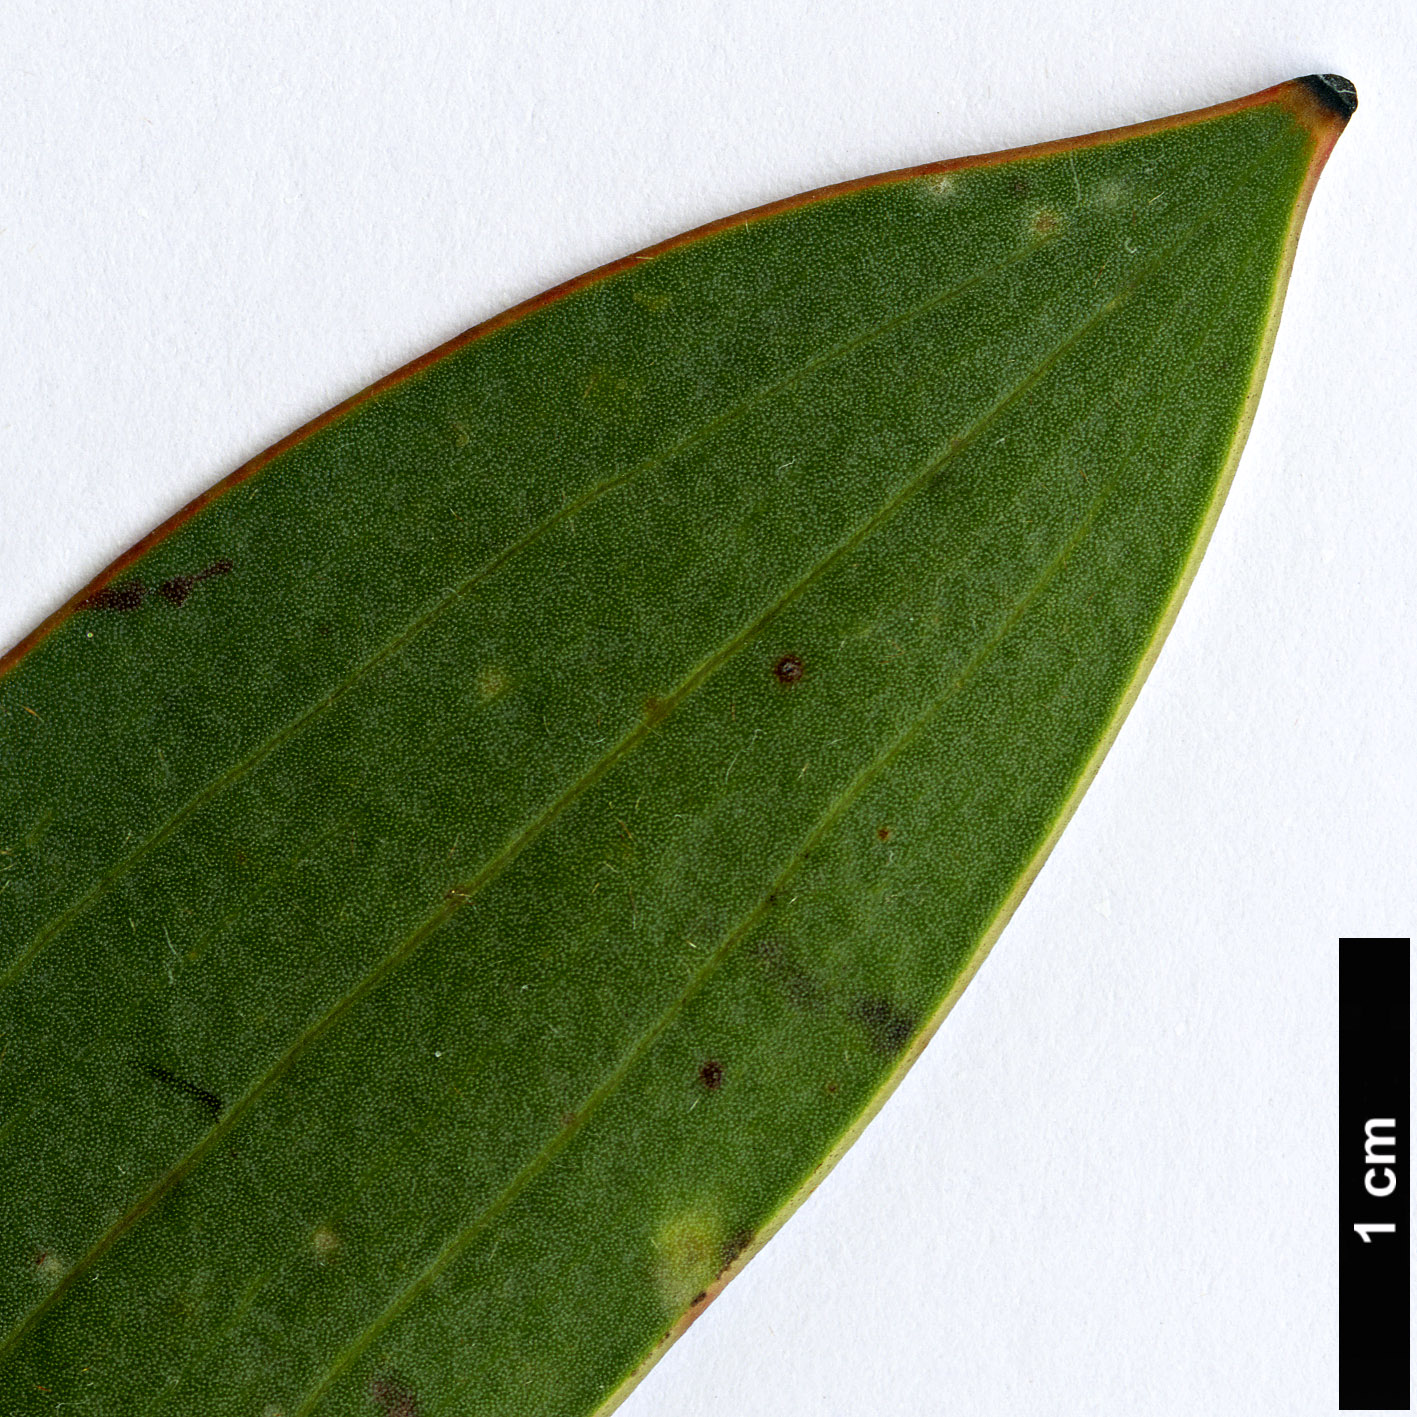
(467, 876)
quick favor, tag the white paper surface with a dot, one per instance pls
(1110, 1184)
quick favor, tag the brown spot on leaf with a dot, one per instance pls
(888, 1027)
(699, 1297)
(735, 1247)
(788, 670)
(656, 709)
(798, 987)
(393, 1396)
(711, 1075)
(831, 1089)
(131, 594)
(128, 596)
(883, 833)
(176, 590)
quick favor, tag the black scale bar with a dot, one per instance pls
(1374, 1164)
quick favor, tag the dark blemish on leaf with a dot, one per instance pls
(888, 1028)
(735, 1247)
(176, 590)
(831, 1089)
(798, 987)
(1018, 184)
(1336, 93)
(698, 1298)
(711, 1075)
(656, 709)
(788, 670)
(128, 596)
(209, 1100)
(393, 1396)
(883, 833)
(803, 992)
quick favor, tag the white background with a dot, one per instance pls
(1110, 1186)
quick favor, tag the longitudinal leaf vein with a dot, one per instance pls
(459, 1243)
(51, 931)
(517, 844)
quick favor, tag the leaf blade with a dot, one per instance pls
(791, 590)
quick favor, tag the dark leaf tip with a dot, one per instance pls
(1333, 91)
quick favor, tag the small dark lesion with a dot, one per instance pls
(799, 988)
(207, 1099)
(176, 589)
(789, 670)
(739, 1242)
(128, 595)
(888, 1026)
(393, 1396)
(711, 1074)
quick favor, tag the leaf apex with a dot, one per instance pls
(1334, 92)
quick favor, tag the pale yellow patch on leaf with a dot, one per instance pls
(50, 1268)
(686, 1258)
(491, 681)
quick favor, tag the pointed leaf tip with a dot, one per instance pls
(1334, 92)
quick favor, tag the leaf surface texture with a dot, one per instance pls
(464, 879)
